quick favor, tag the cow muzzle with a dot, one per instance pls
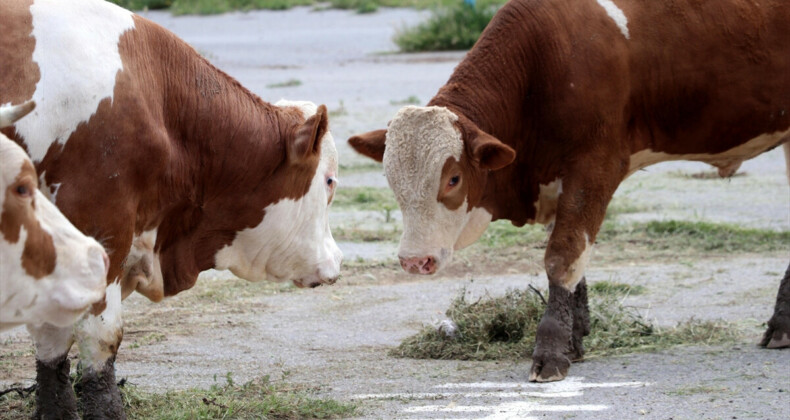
(418, 265)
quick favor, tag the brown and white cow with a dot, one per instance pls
(556, 104)
(49, 271)
(172, 164)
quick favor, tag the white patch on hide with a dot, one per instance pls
(546, 204)
(617, 15)
(51, 342)
(77, 54)
(577, 268)
(725, 160)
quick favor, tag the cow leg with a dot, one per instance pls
(581, 208)
(778, 333)
(98, 337)
(581, 322)
(54, 396)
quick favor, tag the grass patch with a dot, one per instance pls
(502, 234)
(365, 198)
(683, 235)
(355, 234)
(258, 399)
(616, 289)
(455, 27)
(368, 166)
(143, 4)
(504, 328)
(287, 83)
(150, 338)
(212, 7)
(411, 100)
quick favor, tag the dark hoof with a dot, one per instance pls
(549, 368)
(54, 397)
(100, 398)
(774, 339)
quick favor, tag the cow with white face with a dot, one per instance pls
(555, 105)
(435, 177)
(49, 271)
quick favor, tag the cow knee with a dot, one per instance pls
(565, 263)
(51, 342)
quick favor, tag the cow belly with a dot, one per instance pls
(727, 162)
(141, 270)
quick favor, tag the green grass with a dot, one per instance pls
(365, 198)
(701, 236)
(456, 27)
(616, 289)
(368, 166)
(504, 328)
(287, 83)
(258, 399)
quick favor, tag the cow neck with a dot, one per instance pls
(225, 144)
(490, 88)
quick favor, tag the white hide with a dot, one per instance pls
(293, 241)
(78, 279)
(616, 14)
(727, 159)
(98, 336)
(419, 141)
(72, 37)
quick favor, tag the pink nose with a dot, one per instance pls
(417, 265)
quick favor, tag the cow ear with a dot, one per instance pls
(370, 144)
(490, 153)
(307, 141)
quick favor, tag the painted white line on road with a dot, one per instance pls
(441, 395)
(492, 394)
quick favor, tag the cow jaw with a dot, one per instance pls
(293, 241)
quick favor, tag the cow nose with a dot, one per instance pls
(418, 265)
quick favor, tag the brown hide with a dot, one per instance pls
(559, 83)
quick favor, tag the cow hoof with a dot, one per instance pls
(776, 339)
(547, 368)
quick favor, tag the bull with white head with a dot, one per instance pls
(544, 117)
(437, 164)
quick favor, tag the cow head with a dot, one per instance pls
(437, 164)
(49, 271)
(293, 241)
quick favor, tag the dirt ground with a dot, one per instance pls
(337, 338)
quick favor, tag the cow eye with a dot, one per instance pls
(24, 191)
(454, 181)
(330, 181)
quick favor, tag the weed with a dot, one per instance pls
(505, 327)
(287, 83)
(452, 28)
(256, 399)
(614, 288)
(411, 100)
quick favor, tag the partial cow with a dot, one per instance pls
(49, 271)
(556, 104)
(172, 164)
